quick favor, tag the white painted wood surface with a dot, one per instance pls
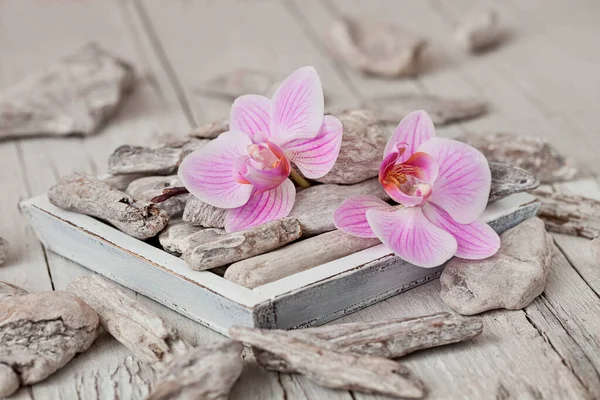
(542, 81)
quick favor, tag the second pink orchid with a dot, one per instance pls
(443, 187)
(246, 170)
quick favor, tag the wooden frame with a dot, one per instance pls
(311, 297)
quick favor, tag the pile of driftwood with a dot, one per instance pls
(40, 333)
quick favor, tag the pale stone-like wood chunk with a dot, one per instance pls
(138, 328)
(162, 160)
(151, 186)
(388, 338)
(211, 130)
(569, 214)
(239, 82)
(443, 110)
(507, 180)
(90, 196)
(180, 236)
(479, 31)
(530, 153)
(120, 182)
(510, 279)
(314, 206)
(198, 213)
(75, 95)
(362, 148)
(41, 332)
(8, 291)
(3, 250)
(376, 47)
(295, 258)
(339, 370)
(205, 372)
(9, 381)
(236, 246)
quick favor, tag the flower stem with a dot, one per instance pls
(296, 177)
(168, 193)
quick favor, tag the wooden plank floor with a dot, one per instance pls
(543, 81)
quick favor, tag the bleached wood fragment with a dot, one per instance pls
(569, 214)
(211, 130)
(120, 182)
(313, 358)
(296, 257)
(161, 160)
(479, 31)
(175, 237)
(3, 250)
(238, 82)
(75, 95)
(8, 290)
(241, 245)
(151, 186)
(199, 213)
(90, 196)
(376, 47)
(9, 381)
(314, 206)
(595, 249)
(139, 329)
(40, 333)
(205, 372)
(443, 110)
(533, 154)
(507, 180)
(387, 338)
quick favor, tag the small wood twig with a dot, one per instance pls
(168, 193)
(571, 215)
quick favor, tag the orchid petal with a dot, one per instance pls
(476, 240)
(399, 196)
(350, 217)
(208, 173)
(422, 166)
(409, 234)
(297, 107)
(414, 129)
(463, 184)
(262, 208)
(315, 157)
(250, 114)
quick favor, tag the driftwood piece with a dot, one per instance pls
(139, 329)
(479, 31)
(595, 250)
(375, 47)
(569, 214)
(206, 372)
(89, 196)
(296, 257)
(76, 95)
(236, 246)
(211, 130)
(180, 236)
(389, 338)
(8, 290)
(120, 182)
(362, 148)
(530, 153)
(3, 250)
(315, 359)
(9, 381)
(443, 110)
(199, 213)
(238, 82)
(151, 186)
(162, 160)
(314, 206)
(507, 180)
(40, 333)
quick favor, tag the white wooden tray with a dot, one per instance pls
(312, 297)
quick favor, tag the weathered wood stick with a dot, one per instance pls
(180, 236)
(211, 130)
(595, 249)
(199, 213)
(40, 333)
(389, 339)
(339, 370)
(120, 182)
(3, 250)
(206, 372)
(571, 215)
(149, 187)
(292, 259)
(89, 196)
(139, 329)
(237, 246)
(8, 290)
(507, 180)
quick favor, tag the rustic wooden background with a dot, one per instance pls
(543, 81)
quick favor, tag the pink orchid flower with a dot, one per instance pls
(246, 169)
(443, 186)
